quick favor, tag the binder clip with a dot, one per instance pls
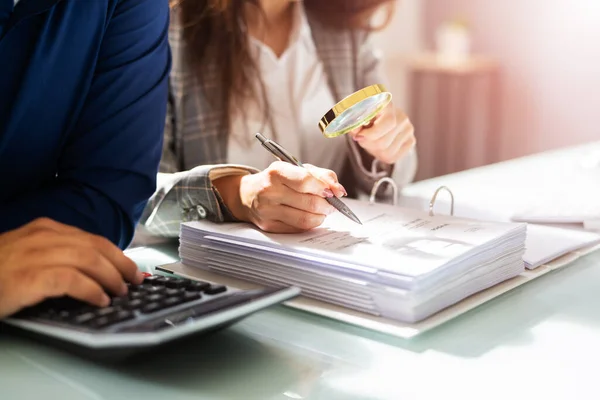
(376, 186)
(434, 198)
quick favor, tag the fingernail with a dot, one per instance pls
(328, 193)
(369, 124)
(139, 277)
(105, 300)
(343, 189)
(124, 289)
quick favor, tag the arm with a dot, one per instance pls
(365, 168)
(107, 169)
(188, 195)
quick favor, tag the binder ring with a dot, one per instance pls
(434, 197)
(375, 188)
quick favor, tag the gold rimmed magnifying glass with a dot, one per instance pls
(354, 111)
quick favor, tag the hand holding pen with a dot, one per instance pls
(279, 152)
(282, 198)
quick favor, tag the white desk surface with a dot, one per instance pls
(541, 341)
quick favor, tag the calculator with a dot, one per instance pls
(160, 310)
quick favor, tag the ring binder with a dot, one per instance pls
(434, 198)
(390, 181)
(375, 188)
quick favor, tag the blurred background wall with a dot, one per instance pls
(548, 60)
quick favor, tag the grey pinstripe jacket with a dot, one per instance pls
(195, 143)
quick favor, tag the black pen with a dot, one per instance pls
(282, 154)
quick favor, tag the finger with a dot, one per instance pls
(34, 286)
(273, 226)
(366, 125)
(34, 226)
(64, 281)
(125, 265)
(298, 179)
(355, 131)
(404, 148)
(369, 123)
(401, 133)
(298, 219)
(381, 126)
(85, 259)
(95, 244)
(397, 150)
(329, 177)
(112, 253)
(50, 224)
(303, 202)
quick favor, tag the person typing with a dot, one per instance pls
(83, 88)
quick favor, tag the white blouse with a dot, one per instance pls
(298, 94)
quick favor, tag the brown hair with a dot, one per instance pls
(215, 30)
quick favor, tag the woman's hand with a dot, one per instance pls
(388, 137)
(47, 259)
(283, 198)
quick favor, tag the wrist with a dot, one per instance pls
(229, 189)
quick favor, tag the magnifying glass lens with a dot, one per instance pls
(355, 110)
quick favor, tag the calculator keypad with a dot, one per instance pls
(155, 294)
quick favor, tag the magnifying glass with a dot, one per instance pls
(356, 110)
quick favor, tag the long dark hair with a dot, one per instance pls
(216, 30)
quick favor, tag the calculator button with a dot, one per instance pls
(163, 280)
(136, 295)
(154, 297)
(176, 284)
(155, 289)
(197, 286)
(215, 289)
(123, 316)
(172, 301)
(174, 292)
(150, 307)
(134, 304)
(119, 301)
(152, 280)
(65, 315)
(100, 322)
(191, 296)
(84, 318)
(103, 312)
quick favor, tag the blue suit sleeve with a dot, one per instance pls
(108, 168)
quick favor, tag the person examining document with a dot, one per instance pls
(83, 93)
(274, 67)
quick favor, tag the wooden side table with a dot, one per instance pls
(455, 108)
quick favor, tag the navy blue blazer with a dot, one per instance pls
(83, 93)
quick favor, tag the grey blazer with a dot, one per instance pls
(195, 143)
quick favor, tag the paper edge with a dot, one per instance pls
(367, 321)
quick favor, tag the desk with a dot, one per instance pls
(541, 341)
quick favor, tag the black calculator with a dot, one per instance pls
(160, 310)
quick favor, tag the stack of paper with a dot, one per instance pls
(544, 243)
(547, 243)
(400, 264)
